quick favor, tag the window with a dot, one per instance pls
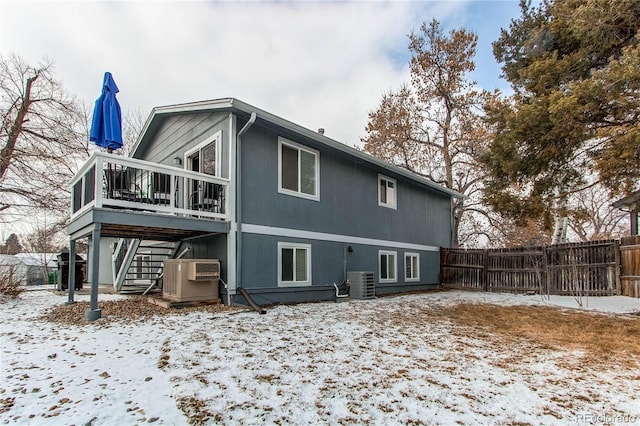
(388, 266)
(294, 264)
(411, 267)
(386, 192)
(204, 157)
(298, 170)
(142, 265)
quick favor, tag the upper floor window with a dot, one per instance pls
(298, 169)
(387, 192)
(204, 158)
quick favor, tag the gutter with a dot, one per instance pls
(238, 168)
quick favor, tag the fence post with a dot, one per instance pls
(545, 270)
(616, 269)
(483, 272)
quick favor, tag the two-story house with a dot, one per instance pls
(286, 210)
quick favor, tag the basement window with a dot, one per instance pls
(411, 267)
(294, 264)
(388, 266)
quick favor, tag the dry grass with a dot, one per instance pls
(603, 338)
(131, 309)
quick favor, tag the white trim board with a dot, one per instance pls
(248, 228)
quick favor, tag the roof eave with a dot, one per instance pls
(631, 201)
(236, 105)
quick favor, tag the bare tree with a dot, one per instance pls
(44, 239)
(133, 122)
(591, 216)
(44, 140)
(434, 127)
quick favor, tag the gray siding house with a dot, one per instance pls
(288, 211)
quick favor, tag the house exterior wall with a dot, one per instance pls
(345, 229)
(348, 199)
(346, 215)
(179, 133)
(210, 247)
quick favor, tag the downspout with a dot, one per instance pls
(242, 131)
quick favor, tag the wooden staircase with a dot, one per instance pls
(138, 264)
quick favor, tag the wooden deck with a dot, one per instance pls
(120, 223)
(112, 181)
(129, 198)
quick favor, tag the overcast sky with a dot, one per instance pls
(318, 64)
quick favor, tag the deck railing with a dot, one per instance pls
(108, 180)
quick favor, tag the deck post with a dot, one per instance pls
(94, 313)
(71, 275)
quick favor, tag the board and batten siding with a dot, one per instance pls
(260, 268)
(179, 133)
(346, 215)
(348, 202)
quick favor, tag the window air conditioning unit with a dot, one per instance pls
(361, 285)
(204, 270)
(190, 280)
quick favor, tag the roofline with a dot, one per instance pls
(628, 201)
(233, 104)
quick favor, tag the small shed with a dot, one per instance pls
(631, 204)
(23, 270)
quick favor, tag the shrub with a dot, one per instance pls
(10, 283)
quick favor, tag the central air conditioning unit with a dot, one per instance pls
(191, 280)
(361, 285)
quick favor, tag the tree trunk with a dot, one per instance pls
(16, 127)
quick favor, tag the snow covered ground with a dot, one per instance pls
(392, 360)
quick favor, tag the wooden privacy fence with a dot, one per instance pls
(630, 266)
(590, 268)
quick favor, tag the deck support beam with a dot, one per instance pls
(94, 313)
(71, 275)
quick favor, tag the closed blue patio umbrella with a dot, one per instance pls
(106, 125)
(106, 131)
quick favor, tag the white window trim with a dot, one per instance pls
(394, 204)
(281, 190)
(411, 255)
(217, 137)
(395, 266)
(283, 245)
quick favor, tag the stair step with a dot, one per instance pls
(147, 262)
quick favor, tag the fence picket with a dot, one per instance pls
(590, 269)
